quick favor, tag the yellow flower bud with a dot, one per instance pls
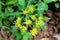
(28, 22)
(33, 31)
(17, 22)
(24, 28)
(33, 17)
(25, 11)
(31, 8)
(40, 18)
(37, 24)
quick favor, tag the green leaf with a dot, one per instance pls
(21, 3)
(23, 32)
(14, 29)
(42, 25)
(11, 18)
(0, 8)
(9, 2)
(57, 5)
(18, 36)
(16, 33)
(31, 1)
(48, 1)
(6, 22)
(17, 14)
(8, 10)
(46, 18)
(2, 15)
(42, 6)
(40, 12)
(27, 36)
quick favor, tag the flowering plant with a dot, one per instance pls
(23, 17)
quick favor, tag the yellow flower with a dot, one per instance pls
(31, 8)
(40, 18)
(33, 17)
(17, 22)
(28, 22)
(24, 28)
(37, 24)
(33, 31)
(18, 19)
(25, 11)
(19, 26)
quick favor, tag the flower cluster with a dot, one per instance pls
(33, 20)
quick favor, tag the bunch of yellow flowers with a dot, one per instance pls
(37, 23)
(17, 23)
(31, 8)
(34, 31)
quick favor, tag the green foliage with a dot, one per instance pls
(57, 5)
(0, 38)
(9, 2)
(42, 7)
(48, 1)
(21, 3)
(19, 15)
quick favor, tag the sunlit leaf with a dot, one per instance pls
(48, 1)
(41, 7)
(27, 36)
(9, 2)
(57, 5)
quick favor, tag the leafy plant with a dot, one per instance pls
(19, 15)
